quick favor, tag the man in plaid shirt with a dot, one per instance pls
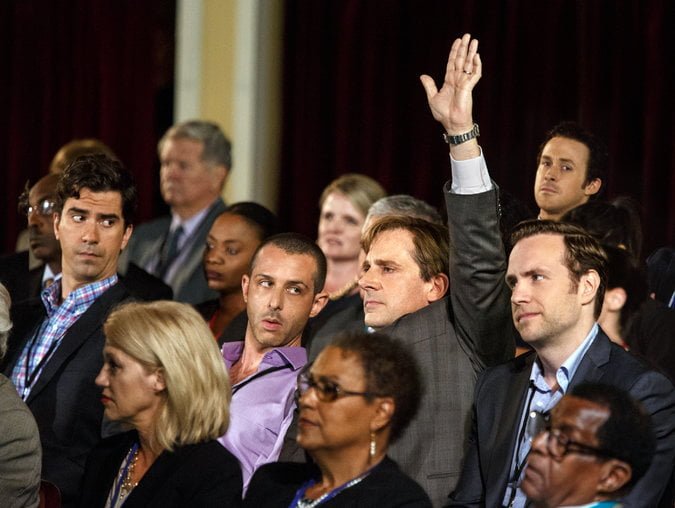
(56, 347)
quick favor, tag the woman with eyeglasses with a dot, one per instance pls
(164, 378)
(354, 400)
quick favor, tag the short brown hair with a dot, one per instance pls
(582, 252)
(430, 240)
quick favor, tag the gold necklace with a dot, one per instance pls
(128, 485)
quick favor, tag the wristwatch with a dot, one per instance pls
(461, 138)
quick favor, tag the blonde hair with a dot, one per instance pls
(173, 338)
(361, 190)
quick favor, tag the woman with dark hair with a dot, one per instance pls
(354, 400)
(230, 244)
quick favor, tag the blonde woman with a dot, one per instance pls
(163, 377)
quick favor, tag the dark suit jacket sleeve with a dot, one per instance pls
(479, 295)
(656, 394)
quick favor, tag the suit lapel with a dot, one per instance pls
(194, 257)
(591, 368)
(507, 429)
(86, 325)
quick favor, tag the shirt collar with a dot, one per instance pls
(569, 367)
(190, 224)
(296, 356)
(83, 295)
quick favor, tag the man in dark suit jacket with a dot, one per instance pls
(410, 265)
(557, 273)
(24, 282)
(195, 161)
(56, 346)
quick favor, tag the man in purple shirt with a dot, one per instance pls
(282, 291)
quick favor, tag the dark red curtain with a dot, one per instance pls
(353, 102)
(82, 68)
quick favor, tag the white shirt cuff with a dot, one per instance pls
(470, 176)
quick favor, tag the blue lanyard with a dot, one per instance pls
(120, 480)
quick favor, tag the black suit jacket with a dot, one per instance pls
(501, 394)
(274, 486)
(21, 282)
(65, 401)
(199, 475)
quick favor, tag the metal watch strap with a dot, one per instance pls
(461, 138)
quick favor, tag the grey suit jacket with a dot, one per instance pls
(188, 282)
(501, 394)
(20, 452)
(453, 340)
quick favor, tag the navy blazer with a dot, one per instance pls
(199, 475)
(65, 400)
(500, 397)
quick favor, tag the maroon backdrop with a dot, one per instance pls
(82, 68)
(353, 102)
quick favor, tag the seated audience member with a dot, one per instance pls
(163, 377)
(282, 290)
(20, 452)
(230, 244)
(661, 275)
(37, 203)
(557, 273)
(344, 204)
(407, 273)
(626, 291)
(571, 167)
(322, 329)
(628, 316)
(65, 155)
(195, 158)
(595, 445)
(57, 341)
(614, 223)
(357, 397)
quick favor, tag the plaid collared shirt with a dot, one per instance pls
(60, 318)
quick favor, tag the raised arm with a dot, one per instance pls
(452, 105)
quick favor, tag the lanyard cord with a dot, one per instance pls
(521, 465)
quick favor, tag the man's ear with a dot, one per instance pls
(320, 301)
(588, 285)
(438, 286)
(614, 474)
(127, 234)
(593, 187)
(615, 299)
(245, 280)
(57, 221)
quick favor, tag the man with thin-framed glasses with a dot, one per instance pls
(589, 450)
(37, 203)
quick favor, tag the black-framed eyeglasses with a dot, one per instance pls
(326, 390)
(559, 444)
(44, 207)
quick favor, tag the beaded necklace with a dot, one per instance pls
(301, 501)
(124, 485)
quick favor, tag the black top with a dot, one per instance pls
(198, 475)
(275, 485)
